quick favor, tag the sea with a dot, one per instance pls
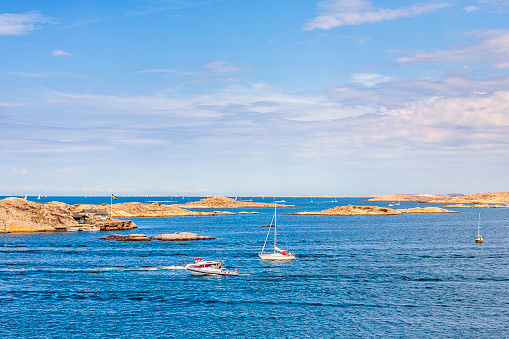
(400, 276)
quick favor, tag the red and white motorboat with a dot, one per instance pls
(208, 267)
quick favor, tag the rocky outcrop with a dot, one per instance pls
(424, 210)
(128, 237)
(140, 210)
(116, 225)
(224, 202)
(183, 236)
(424, 198)
(477, 198)
(475, 206)
(20, 215)
(373, 210)
(21, 226)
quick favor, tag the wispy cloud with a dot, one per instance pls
(19, 24)
(59, 52)
(166, 71)
(337, 13)
(370, 80)
(45, 74)
(488, 46)
(10, 104)
(16, 171)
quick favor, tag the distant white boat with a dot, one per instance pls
(39, 197)
(25, 197)
(278, 254)
(91, 228)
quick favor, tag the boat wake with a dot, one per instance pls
(93, 269)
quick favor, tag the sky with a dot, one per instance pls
(240, 98)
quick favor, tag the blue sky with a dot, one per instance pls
(226, 97)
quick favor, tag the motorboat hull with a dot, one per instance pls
(204, 271)
(210, 271)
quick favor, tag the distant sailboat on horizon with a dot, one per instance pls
(479, 238)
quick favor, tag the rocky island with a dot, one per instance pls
(373, 210)
(140, 210)
(20, 215)
(224, 202)
(477, 198)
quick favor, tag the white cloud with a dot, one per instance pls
(10, 104)
(471, 9)
(59, 52)
(370, 80)
(489, 46)
(19, 24)
(356, 12)
(17, 171)
(221, 67)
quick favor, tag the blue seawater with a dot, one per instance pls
(405, 276)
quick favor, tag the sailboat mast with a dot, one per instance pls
(275, 228)
(479, 226)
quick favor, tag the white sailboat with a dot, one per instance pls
(278, 254)
(479, 236)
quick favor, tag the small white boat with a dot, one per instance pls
(91, 228)
(208, 267)
(278, 254)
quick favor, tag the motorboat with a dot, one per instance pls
(208, 267)
(91, 228)
(278, 254)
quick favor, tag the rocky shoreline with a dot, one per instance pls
(224, 202)
(374, 210)
(23, 216)
(487, 198)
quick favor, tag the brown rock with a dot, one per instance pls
(477, 198)
(19, 226)
(373, 210)
(128, 237)
(224, 202)
(20, 215)
(475, 206)
(183, 236)
(140, 210)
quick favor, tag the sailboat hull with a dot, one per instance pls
(277, 257)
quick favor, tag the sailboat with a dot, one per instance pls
(278, 254)
(479, 237)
